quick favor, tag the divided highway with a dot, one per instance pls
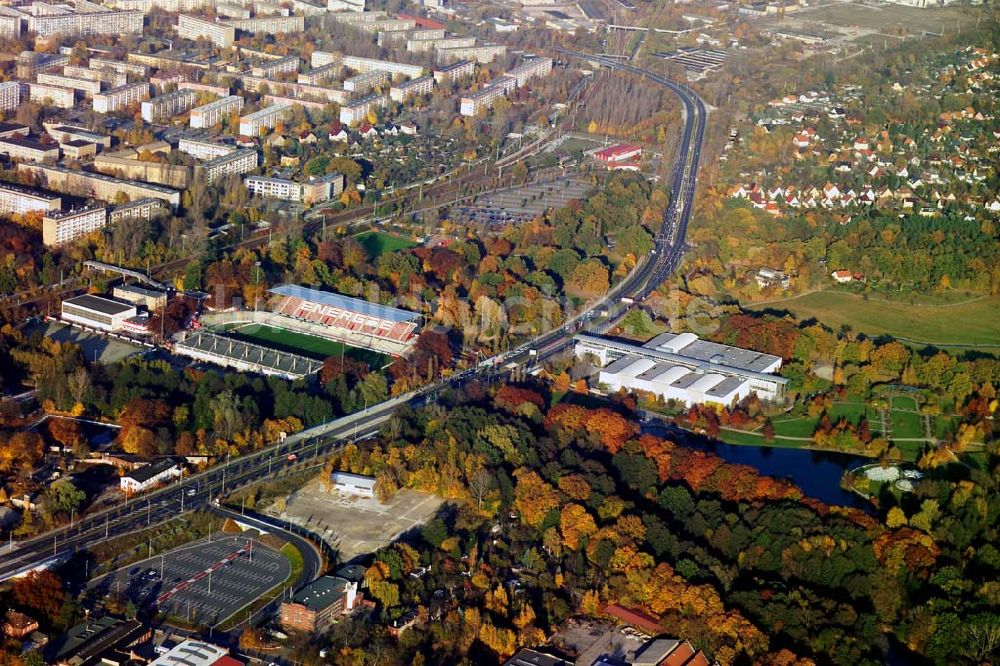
(198, 491)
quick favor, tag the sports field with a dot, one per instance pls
(305, 345)
(377, 243)
(972, 322)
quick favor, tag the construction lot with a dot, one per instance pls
(353, 524)
(203, 583)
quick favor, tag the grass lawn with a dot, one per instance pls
(906, 425)
(922, 323)
(911, 450)
(904, 402)
(800, 426)
(944, 426)
(377, 243)
(305, 345)
(852, 411)
(740, 437)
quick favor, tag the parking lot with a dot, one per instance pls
(205, 582)
(356, 525)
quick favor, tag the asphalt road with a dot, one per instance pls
(198, 491)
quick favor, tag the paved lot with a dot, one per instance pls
(591, 640)
(179, 581)
(102, 348)
(357, 525)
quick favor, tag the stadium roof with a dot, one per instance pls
(345, 302)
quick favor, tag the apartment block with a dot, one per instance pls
(276, 67)
(292, 101)
(214, 112)
(87, 19)
(391, 37)
(346, 5)
(426, 45)
(269, 25)
(10, 95)
(361, 17)
(203, 150)
(21, 200)
(299, 91)
(49, 95)
(10, 26)
(127, 68)
(61, 227)
(29, 63)
(67, 133)
(138, 209)
(355, 112)
(221, 91)
(226, 10)
(121, 97)
(274, 188)
(386, 24)
(362, 65)
(367, 82)
(193, 27)
(97, 185)
(483, 53)
(124, 165)
(88, 88)
(167, 106)
(236, 162)
(530, 69)
(78, 150)
(483, 99)
(420, 86)
(321, 75)
(12, 130)
(28, 150)
(456, 71)
(109, 77)
(266, 118)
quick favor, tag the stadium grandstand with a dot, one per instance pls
(353, 321)
(244, 356)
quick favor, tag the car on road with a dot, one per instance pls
(292, 457)
(191, 492)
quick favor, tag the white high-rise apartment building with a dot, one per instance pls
(119, 98)
(213, 112)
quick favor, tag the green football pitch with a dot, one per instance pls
(304, 345)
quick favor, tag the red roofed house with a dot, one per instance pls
(624, 155)
(635, 618)
(228, 661)
(844, 277)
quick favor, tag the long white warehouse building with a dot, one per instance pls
(682, 367)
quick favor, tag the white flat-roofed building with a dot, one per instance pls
(128, 68)
(66, 133)
(10, 95)
(274, 188)
(121, 97)
(61, 227)
(164, 107)
(367, 82)
(10, 26)
(484, 98)
(354, 484)
(237, 162)
(276, 67)
(483, 53)
(20, 200)
(29, 63)
(193, 27)
(355, 112)
(139, 209)
(361, 65)
(49, 95)
(214, 112)
(108, 77)
(22, 149)
(296, 90)
(151, 299)
(530, 69)
(320, 75)
(204, 149)
(88, 19)
(386, 24)
(269, 25)
(232, 11)
(390, 37)
(266, 118)
(361, 16)
(87, 87)
(98, 312)
(686, 369)
(456, 71)
(423, 85)
(427, 45)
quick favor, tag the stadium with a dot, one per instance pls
(303, 327)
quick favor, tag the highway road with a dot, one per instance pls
(199, 490)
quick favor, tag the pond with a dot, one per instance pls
(817, 473)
